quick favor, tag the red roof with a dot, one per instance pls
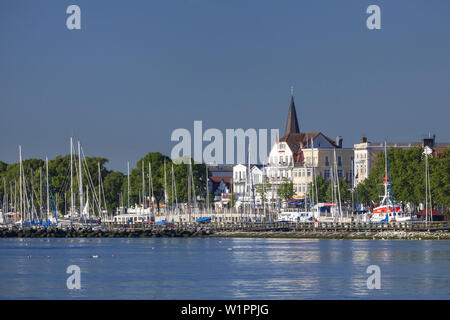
(218, 179)
(298, 141)
(435, 213)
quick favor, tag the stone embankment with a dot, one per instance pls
(206, 232)
(89, 233)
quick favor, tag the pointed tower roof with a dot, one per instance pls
(292, 122)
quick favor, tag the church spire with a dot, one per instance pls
(292, 122)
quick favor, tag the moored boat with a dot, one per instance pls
(387, 210)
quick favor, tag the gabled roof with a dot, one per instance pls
(299, 141)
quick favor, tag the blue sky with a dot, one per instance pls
(137, 70)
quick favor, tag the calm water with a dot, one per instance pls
(223, 269)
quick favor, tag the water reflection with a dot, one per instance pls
(223, 268)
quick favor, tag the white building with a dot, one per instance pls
(365, 155)
(244, 185)
(291, 157)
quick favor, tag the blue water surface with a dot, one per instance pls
(223, 268)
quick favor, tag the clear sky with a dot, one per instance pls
(137, 70)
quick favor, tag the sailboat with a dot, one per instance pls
(388, 211)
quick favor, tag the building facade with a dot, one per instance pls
(244, 185)
(365, 153)
(320, 162)
(297, 156)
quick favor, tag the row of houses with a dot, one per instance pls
(297, 157)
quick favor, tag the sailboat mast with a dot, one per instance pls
(20, 183)
(41, 207)
(386, 179)
(263, 198)
(149, 188)
(338, 185)
(173, 190)
(429, 191)
(71, 177)
(5, 196)
(99, 188)
(250, 184)
(165, 185)
(333, 187)
(143, 186)
(128, 184)
(189, 190)
(194, 197)
(207, 189)
(80, 178)
(15, 195)
(314, 173)
(353, 186)
(426, 186)
(11, 203)
(87, 201)
(48, 195)
(151, 183)
(32, 195)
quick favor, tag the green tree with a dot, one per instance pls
(113, 186)
(286, 190)
(407, 172)
(322, 186)
(181, 173)
(262, 189)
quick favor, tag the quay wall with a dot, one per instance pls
(412, 231)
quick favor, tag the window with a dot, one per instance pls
(326, 174)
(327, 161)
(339, 161)
(340, 175)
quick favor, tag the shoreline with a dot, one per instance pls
(384, 235)
(205, 233)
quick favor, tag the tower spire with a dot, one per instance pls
(292, 122)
